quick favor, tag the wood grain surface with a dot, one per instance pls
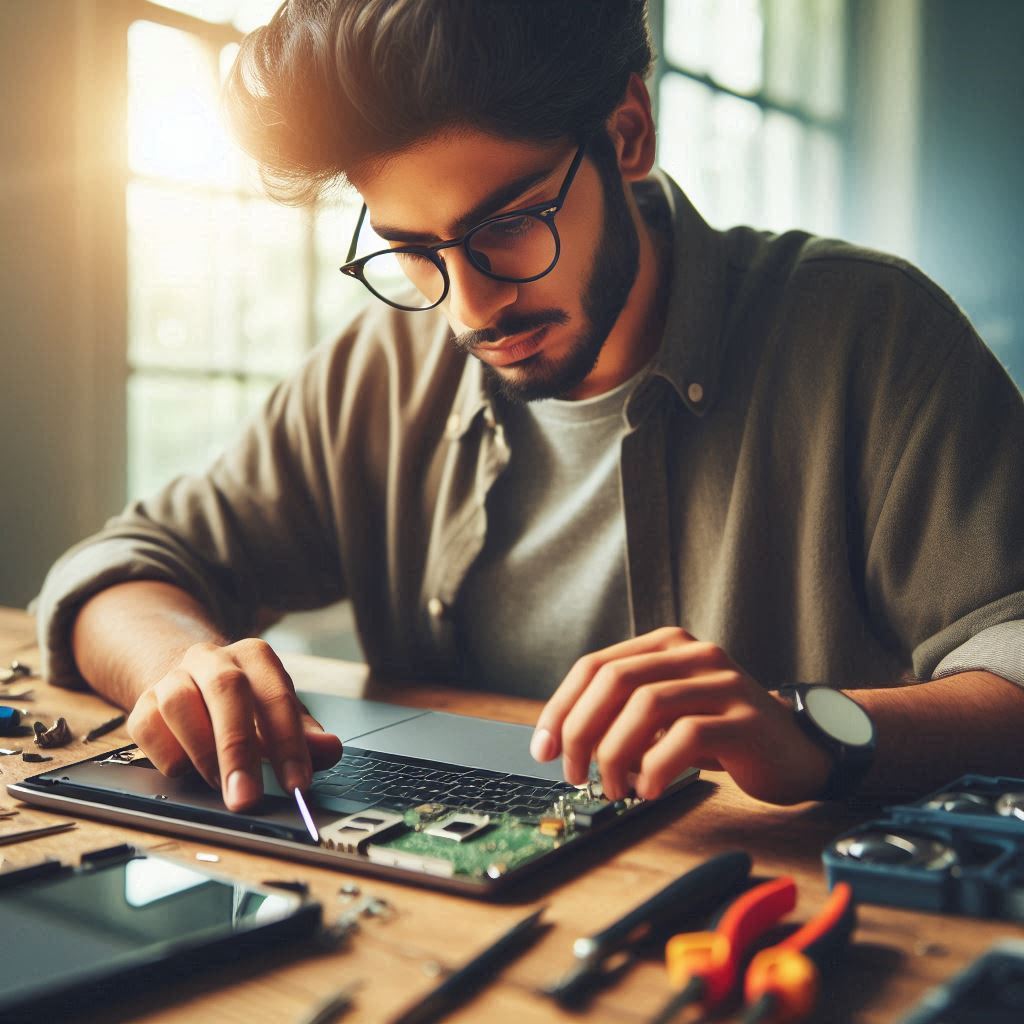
(896, 957)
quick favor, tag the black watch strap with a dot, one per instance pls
(839, 725)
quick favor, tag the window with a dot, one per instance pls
(750, 97)
(226, 290)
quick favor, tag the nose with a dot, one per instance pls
(474, 299)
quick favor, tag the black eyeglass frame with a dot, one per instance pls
(544, 212)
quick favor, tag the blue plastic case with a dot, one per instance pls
(951, 852)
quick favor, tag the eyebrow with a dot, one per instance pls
(488, 206)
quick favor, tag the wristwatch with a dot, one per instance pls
(839, 725)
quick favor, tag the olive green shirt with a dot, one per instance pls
(823, 473)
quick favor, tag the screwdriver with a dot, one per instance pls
(782, 982)
(704, 966)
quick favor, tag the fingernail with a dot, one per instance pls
(241, 789)
(296, 775)
(542, 745)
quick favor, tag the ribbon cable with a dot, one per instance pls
(782, 982)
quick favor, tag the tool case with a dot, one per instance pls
(959, 850)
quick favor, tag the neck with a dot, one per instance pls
(634, 339)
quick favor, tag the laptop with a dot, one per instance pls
(438, 799)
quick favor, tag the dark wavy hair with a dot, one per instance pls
(329, 85)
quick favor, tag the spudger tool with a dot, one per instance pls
(693, 895)
(461, 984)
(307, 818)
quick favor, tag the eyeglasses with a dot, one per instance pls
(518, 246)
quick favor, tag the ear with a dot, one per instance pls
(631, 129)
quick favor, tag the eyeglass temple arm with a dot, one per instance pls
(355, 235)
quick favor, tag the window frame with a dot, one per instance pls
(840, 126)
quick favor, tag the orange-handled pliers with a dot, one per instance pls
(704, 966)
(782, 982)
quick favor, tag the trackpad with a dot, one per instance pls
(459, 739)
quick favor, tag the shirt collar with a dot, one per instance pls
(471, 400)
(689, 356)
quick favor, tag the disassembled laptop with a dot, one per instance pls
(445, 840)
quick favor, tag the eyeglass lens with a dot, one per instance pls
(515, 248)
(405, 279)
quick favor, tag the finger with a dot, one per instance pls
(183, 710)
(150, 733)
(325, 748)
(688, 741)
(648, 712)
(231, 707)
(278, 712)
(546, 743)
(614, 685)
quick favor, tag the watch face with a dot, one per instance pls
(839, 716)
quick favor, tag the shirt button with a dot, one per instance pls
(452, 426)
(695, 393)
(436, 608)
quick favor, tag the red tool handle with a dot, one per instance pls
(715, 957)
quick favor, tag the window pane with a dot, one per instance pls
(713, 144)
(183, 301)
(270, 262)
(805, 56)
(689, 27)
(177, 425)
(785, 51)
(783, 145)
(245, 15)
(720, 38)
(683, 128)
(174, 124)
(215, 282)
(823, 200)
(338, 296)
(826, 59)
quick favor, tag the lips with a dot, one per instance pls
(512, 350)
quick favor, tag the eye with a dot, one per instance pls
(506, 233)
(510, 227)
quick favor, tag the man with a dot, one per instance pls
(586, 448)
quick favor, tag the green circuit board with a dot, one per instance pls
(452, 841)
(502, 845)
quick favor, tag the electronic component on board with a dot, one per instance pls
(460, 826)
(353, 833)
(588, 813)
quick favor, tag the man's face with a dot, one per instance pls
(539, 339)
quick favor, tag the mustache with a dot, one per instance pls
(510, 324)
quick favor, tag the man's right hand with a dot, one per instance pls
(221, 709)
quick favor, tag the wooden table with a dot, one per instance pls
(897, 954)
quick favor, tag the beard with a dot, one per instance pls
(612, 273)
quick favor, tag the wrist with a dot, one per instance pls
(841, 729)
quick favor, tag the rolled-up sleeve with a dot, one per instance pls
(255, 532)
(946, 561)
(998, 649)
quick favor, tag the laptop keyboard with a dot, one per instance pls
(402, 783)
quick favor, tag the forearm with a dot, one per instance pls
(128, 636)
(930, 733)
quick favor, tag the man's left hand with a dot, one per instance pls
(648, 708)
